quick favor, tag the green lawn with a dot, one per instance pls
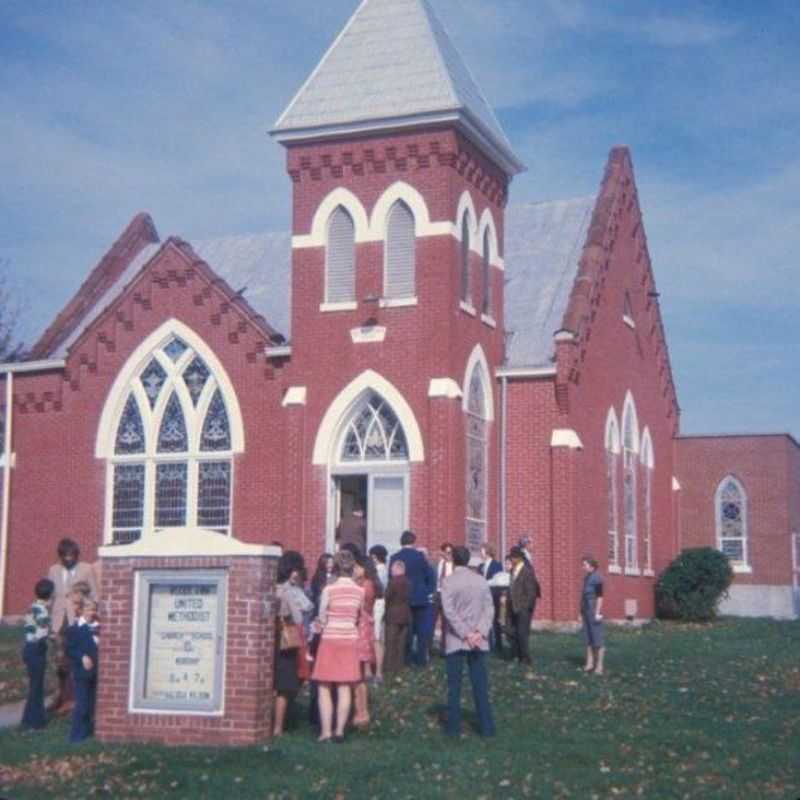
(684, 711)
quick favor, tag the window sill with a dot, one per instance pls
(615, 569)
(742, 569)
(470, 309)
(628, 321)
(397, 302)
(487, 320)
(648, 573)
(632, 571)
(350, 305)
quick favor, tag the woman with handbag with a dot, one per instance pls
(337, 665)
(290, 638)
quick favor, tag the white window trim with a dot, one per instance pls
(487, 320)
(468, 307)
(628, 321)
(744, 569)
(397, 302)
(615, 569)
(345, 305)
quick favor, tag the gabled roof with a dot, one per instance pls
(393, 66)
(544, 244)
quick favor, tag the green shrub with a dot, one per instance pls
(691, 587)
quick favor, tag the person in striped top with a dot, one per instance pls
(34, 653)
(337, 665)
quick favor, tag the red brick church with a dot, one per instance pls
(471, 369)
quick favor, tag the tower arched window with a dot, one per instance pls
(340, 258)
(374, 434)
(647, 460)
(612, 448)
(171, 463)
(630, 448)
(477, 440)
(731, 515)
(486, 272)
(399, 252)
(466, 288)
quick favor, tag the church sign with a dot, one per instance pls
(179, 635)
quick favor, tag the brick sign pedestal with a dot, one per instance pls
(187, 647)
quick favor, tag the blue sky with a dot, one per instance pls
(109, 108)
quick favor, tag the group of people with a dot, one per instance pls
(65, 612)
(362, 616)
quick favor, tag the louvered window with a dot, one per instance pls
(465, 287)
(340, 277)
(486, 308)
(400, 247)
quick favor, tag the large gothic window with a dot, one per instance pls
(731, 514)
(374, 434)
(340, 258)
(612, 448)
(476, 461)
(466, 288)
(630, 447)
(171, 464)
(400, 251)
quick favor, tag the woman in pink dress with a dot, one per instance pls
(337, 664)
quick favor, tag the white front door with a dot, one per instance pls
(387, 510)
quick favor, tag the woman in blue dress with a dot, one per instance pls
(592, 616)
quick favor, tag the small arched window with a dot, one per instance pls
(340, 256)
(731, 515)
(612, 447)
(172, 457)
(466, 289)
(630, 449)
(486, 306)
(400, 252)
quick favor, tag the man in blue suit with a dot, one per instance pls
(422, 584)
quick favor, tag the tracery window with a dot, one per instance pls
(340, 258)
(648, 464)
(172, 462)
(400, 252)
(466, 288)
(486, 307)
(374, 434)
(630, 446)
(477, 425)
(612, 467)
(731, 514)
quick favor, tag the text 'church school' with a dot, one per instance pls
(456, 364)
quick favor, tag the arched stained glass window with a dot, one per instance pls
(374, 434)
(130, 431)
(340, 258)
(466, 289)
(486, 307)
(195, 377)
(630, 447)
(400, 252)
(731, 513)
(172, 436)
(612, 468)
(648, 464)
(216, 428)
(153, 379)
(476, 461)
(172, 461)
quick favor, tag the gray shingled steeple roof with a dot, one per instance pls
(393, 66)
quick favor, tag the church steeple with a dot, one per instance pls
(393, 67)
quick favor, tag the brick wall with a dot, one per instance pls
(249, 657)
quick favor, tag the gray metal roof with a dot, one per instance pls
(393, 64)
(544, 242)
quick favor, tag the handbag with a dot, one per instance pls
(291, 637)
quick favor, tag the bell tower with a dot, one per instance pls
(400, 174)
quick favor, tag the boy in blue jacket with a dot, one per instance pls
(82, 642)
(34, 654)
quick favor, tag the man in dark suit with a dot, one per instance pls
(352, 529)
(523, 594)
(422, 581)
